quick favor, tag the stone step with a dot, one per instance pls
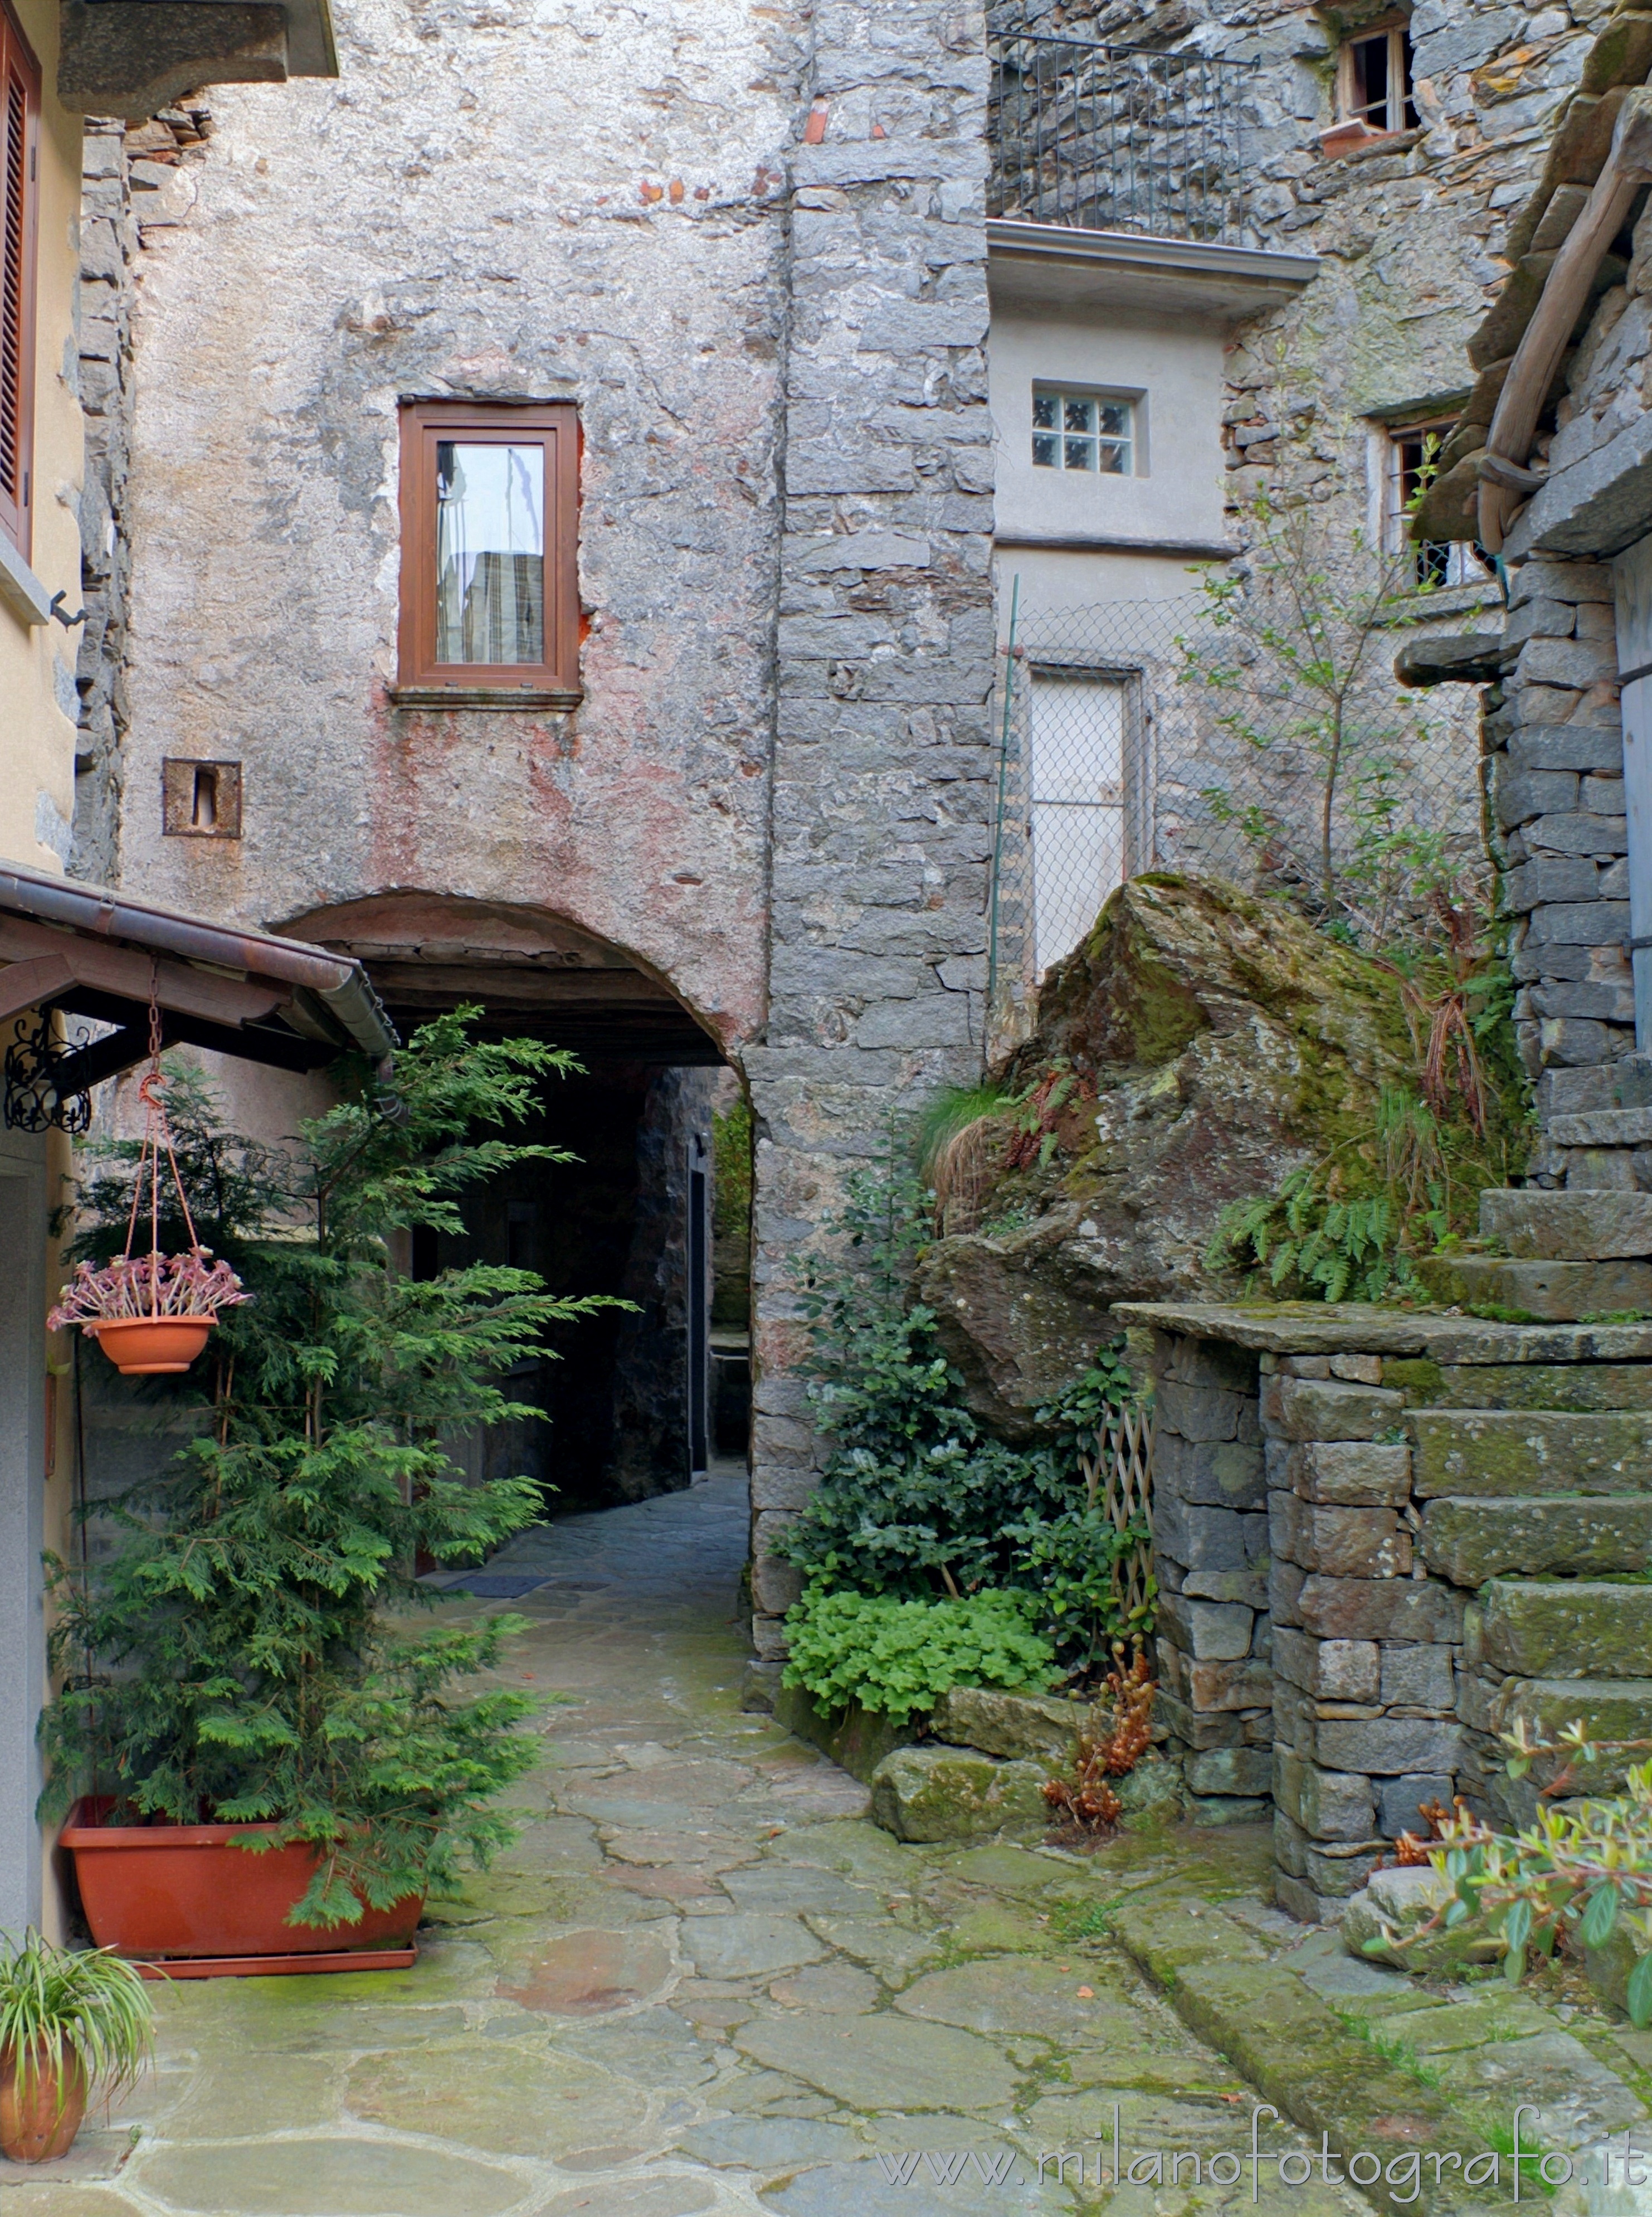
(1603, 1128)
(1575, 1628)
(1469, 1541)
(1540, 1292)
(1591, 1226)
(1513, 1453)
(1612, 1708)
(1578, 1387)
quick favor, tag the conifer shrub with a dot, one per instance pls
(248, 1650)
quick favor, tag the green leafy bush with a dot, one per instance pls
(898, 1656)
(231, 1657)
(916, 1499)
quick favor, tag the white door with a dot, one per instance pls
(1077, 767)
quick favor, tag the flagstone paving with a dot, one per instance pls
(702, 1981)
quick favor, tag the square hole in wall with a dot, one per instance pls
(200, 799)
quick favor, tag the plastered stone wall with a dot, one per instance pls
(563, 202)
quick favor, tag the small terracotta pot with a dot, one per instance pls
(39, 2125)
(139, 1347)
(1343, 138)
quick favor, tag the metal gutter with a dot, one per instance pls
(1180, 256)
(337, 981)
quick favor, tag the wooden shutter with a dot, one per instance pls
(20, 105)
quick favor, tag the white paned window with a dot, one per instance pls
(1093, 431)
(1077, 744)
(1406, 462)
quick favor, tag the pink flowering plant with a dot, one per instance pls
(136, 1286)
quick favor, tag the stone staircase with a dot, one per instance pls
(1532, 1486)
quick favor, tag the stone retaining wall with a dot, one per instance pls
(1449, 1504)
(1209, 1521)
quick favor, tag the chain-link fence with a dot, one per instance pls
(1146, 735)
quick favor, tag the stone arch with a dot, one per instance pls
(631, 1410)
(528, 964)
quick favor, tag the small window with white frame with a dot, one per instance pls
(1373, 77)
(1406, 469)
(1077, 430)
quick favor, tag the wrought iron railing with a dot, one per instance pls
(1119, 138)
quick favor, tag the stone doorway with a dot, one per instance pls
(633, 1400)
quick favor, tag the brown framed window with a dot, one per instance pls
(20, 111)
(1374, 76)
(490, 503)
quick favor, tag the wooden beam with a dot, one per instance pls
(1565, 295)
(121, 970)
(25, 984)
(248, 1042)
(440, 984)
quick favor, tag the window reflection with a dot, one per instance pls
(490, 553)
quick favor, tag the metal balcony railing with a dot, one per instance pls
(1117, 139)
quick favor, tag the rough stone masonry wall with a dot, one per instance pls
(1410, 232)
(1210, 1550)
(1555, 737)
(1365, 1644)
(1555, 733)
(133, 184)
(884, 745)
(1341, 1702)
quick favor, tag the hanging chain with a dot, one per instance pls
(157, 1135)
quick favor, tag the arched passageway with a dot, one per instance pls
(632, 1405)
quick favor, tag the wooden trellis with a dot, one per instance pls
(1119, 1471)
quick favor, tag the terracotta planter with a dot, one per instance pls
(175, 1893)
(1343, 138)
(140, 1347)
(40, 2124)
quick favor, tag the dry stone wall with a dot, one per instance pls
(1454, 1536)
(884, 750)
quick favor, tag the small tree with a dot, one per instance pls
(1301, 669)
(235, 1658)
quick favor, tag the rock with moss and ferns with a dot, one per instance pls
(1197, 1049)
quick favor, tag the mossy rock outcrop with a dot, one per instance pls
(1216, 1043)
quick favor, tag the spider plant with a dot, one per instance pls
(63, 2007)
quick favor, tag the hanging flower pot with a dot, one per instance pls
(150, 1312)
(139, 1347)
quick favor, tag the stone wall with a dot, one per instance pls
(1210, 1550)
(884, 751)
(136, 183)
(1555, 738)
(1455, 1534)
(756, 261)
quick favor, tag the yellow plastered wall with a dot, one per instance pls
(37, 661)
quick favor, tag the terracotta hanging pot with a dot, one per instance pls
(38, 2123)
(150, 1313)
(143, 1347)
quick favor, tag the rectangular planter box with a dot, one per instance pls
(192, 1891)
